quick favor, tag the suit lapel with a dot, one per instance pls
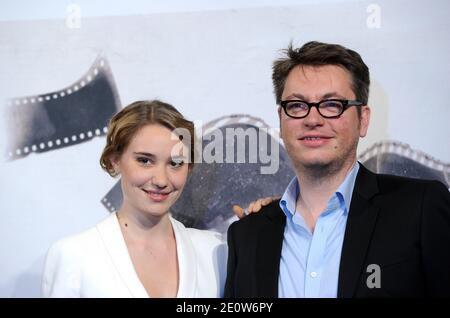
(114, 242)
(360, 224)
(268, 254)
(187, 262)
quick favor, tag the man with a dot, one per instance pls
(339, 230)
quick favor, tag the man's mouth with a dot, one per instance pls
(314, 137)
(314, 140)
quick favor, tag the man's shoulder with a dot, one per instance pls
(268, 214)
(389, 182)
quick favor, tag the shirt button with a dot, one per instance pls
(313, 274)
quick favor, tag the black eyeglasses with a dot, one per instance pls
(329, 108)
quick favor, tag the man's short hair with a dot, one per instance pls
(319, 54)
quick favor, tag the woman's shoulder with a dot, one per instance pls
(71, 258)
(79, 242)
(73, 244)
(205, 235)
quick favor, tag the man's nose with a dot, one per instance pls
(314, 118)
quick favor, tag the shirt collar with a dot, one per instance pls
(344, 192)
(289, 198)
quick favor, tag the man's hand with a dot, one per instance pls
(253, 207)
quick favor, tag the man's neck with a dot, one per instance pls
(316, 190)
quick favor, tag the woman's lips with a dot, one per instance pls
(156, 195)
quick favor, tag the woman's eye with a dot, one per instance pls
(143, 160)
(177, 163)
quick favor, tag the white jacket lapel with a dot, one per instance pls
(114, 243)
(187, 261)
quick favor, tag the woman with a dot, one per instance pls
(141, 251)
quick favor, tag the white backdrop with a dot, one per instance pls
(207, 63)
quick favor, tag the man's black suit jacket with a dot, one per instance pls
(400, 224)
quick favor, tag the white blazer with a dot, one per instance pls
(96, 263)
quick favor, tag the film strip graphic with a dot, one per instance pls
(207, 198)
(213, 187)
(70, 116)
(398, 158)
(242, 119)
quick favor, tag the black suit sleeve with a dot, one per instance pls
(231, 265)
(435, 239)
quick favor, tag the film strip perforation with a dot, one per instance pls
(43, 114)
(59, 142)
(92, 73)
(108, 205)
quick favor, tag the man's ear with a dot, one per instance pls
(365, 120)
(279, 120)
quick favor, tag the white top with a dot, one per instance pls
(96, 263)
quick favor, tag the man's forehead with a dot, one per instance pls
(319, 70)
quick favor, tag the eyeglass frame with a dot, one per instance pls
(345, 103)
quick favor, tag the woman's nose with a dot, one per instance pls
(159, 178)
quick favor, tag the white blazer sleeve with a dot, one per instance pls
(61, 276)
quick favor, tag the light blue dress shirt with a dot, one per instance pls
(309, 265)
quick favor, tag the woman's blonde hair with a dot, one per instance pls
(124, 125)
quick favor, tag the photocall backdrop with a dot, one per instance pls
(62, 79)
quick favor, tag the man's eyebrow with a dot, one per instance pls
(333, 94)
(296, 96)
(325, 96)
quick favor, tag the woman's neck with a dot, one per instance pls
(142, 226)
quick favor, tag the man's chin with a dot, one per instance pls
(315, 162)
(317, 165)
